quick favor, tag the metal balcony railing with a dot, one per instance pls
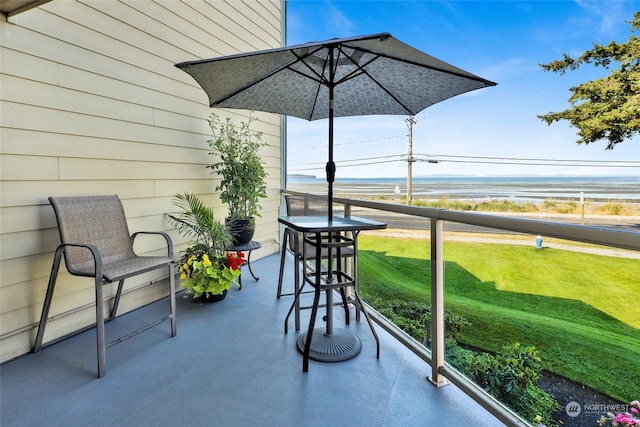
(441, 372)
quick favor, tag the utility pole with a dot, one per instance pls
(410, 121)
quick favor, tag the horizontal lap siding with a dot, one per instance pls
(91, 103)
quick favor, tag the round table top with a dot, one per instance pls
(252, 245)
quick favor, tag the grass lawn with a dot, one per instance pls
(579, 310)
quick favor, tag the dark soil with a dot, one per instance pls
(566, 391)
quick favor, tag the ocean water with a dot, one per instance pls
(530, 188)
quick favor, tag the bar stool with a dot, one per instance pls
(292, 243)
(330, 345)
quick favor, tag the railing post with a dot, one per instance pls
(437, 302)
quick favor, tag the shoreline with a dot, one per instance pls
(517, 189)
(608, 208)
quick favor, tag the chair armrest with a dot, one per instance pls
(167, 238)
(294, 241)
(95, 252)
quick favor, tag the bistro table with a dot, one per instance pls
(329, 344)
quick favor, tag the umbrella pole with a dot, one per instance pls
(331, 166)
(331, 175)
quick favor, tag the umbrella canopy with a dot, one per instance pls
(355, 76)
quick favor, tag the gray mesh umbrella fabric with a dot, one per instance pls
(357, 76)
(375, 74)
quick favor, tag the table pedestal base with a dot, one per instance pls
(340, 345)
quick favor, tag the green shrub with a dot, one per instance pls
(511, 377)
(536, 405)
(504, 206)
(457, 356)
(562, 207)
(443, 203)
(610, 209)
(415, 318)
(506, 374)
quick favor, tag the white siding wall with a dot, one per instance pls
(92, 104)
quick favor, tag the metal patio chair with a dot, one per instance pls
(96, 243)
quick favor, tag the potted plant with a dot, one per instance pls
(242, 174)
(206, 268)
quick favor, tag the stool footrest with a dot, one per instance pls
(336, 241)
(338, 279)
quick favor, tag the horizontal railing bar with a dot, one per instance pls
(581, 233)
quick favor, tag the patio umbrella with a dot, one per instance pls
(365, 75)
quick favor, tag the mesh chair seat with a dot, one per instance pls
(132, 266)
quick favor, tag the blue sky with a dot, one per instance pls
(502, 41)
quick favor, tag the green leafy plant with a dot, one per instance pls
(415, 318)
(509, 373)
(197, 222)
(243, 178)
(511, 377)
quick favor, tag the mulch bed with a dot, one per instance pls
(566, 391)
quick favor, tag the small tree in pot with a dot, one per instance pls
(243, 178)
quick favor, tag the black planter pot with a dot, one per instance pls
(242, 230)
(211, 297)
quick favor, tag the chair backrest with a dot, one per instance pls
(305, 205)
(95, 220)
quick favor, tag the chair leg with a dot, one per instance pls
(298, 288)
(366, 316)
(356, 289)
(48, 298)
(116, 302)
(345, 304)
(100, 328)
(343, 291)
(296, 305)
(354, 265)
(172, 299)
(283, 255)
(312, 323)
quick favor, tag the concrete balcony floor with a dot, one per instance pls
(229, 365)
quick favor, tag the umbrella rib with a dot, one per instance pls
(460, 73)
(360, 71)
(321, 79)
(273, 72)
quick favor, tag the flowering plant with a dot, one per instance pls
(209, 274)
(631, 418)
(205, 267)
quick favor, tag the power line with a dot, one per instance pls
(488, 162)
(295, 169)
(339, 144)
(636, 162)
(432, 158)
(386, 156)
